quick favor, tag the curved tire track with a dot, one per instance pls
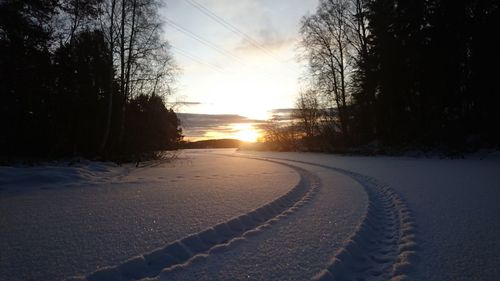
(384, 246)
(195, 247)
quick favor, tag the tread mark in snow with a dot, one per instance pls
(384, 245)
(219, 238)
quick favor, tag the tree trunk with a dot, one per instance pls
(109, 115)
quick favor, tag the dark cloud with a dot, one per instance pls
(197, 125)
(283, 114)
(213, 120)
(283, 111)
(186, 103)
(288, 113)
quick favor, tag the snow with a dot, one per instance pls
(455, 204)
(296, 246)
(56, 231)
(57, 174)
(223, 215)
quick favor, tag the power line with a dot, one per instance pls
(204, 41)
(197, 59)
(231, 27)
(226, 24)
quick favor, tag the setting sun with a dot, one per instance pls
(247, 135)
(246, 132)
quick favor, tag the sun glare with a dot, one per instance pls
(247, 135)
(246, 132)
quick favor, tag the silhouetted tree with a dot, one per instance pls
(332, 40)
(25, 75)
(140, 52)
(62, 88)
(308, 112)
(484, 97)
(421, 71)
(363, 78)
(82, 70)
(151, 125)
(282, 136)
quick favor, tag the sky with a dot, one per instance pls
(238, 61)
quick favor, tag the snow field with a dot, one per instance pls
(454, 203)
(74, 228)
(384, 245)
(344, 219)
(195, 247)
(294, 247)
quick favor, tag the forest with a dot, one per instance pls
(84, 78)
(400, 74)
(91, 78)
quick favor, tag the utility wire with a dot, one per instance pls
(231, 28)
(197, 59)
(204, 41)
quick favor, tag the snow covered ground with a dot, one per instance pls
(456, 205)
(57, 222)
(226, 215)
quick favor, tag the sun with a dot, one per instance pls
(247, 135)
(245, 132)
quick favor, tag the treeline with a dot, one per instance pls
(84, 78)
(404, 74)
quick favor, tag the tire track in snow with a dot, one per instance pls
(221, 237)
(384, 245)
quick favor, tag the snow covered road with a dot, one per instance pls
(295, 246)
(455, 204)
(330, 239)
(220, 215)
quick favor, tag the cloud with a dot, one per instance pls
(283, 110)
(283, 114)
(211, 120)
(187, 103)
(255, 24)
(268, 39)
(196, 126)
(287, 114)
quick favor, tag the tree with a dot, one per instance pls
(141, 57)
(326, 37)
(279, 135)
(416, 73)
(363, 78)
(151, 126)
(65, 92)
(308, 112)
(77, 15)
(107, 26)
(82, 68)
(26, 75)
(483, 98)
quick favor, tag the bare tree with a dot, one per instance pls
(107, 22)
(308, 112)
(80, 15)
(143, 62)
(280, 135)
(326, 41)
